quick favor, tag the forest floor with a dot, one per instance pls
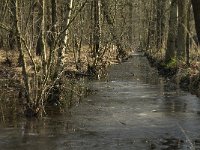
(9, 67)
(188, 77)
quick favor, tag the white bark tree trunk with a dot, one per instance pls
(64, 40)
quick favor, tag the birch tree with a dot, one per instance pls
(64, 38)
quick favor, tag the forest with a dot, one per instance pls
(46, 36)
(44, 42)
(99, 74)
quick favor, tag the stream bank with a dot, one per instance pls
(134, 108)
(186, 77)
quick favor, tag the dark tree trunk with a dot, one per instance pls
(182, 31)
(196, 10)
(188, 36)
(130, 28)
(38, 29)
(172, 34)
(96, 27)
(11, 35)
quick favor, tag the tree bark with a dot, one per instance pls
(188, 35)
(130, 28)
(97, 31)
(182, 28)
(64, 40)
(43, 41)
(19, 45)
(161, 22)
(53, 34)
(38, 28)
(172, 34)
(11, 35)
(196, 10)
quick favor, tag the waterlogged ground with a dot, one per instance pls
(134, 109)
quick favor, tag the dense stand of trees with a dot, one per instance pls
(173, 28)
(44, 31)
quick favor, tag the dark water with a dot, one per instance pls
(133, 109)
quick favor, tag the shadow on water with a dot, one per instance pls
(133, 108)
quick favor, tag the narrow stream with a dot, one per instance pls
(133, 109)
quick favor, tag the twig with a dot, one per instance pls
(5, 27)
(70, 22)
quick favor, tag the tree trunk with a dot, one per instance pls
(97, 31)
(188, 35)
(11, 35)
(172, 34)
(19, 45)
(64, 40)
(52, 34)
(38, 28)
(130, 28)
(196, 10)
(150, 26)
(161, 22)
(43, 41)
(182, 28)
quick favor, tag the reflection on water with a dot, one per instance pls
(133, 108)
(8, 102)
(75, 90)
(11, 107)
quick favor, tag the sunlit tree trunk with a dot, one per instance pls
(64, 38)
(43, 41)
